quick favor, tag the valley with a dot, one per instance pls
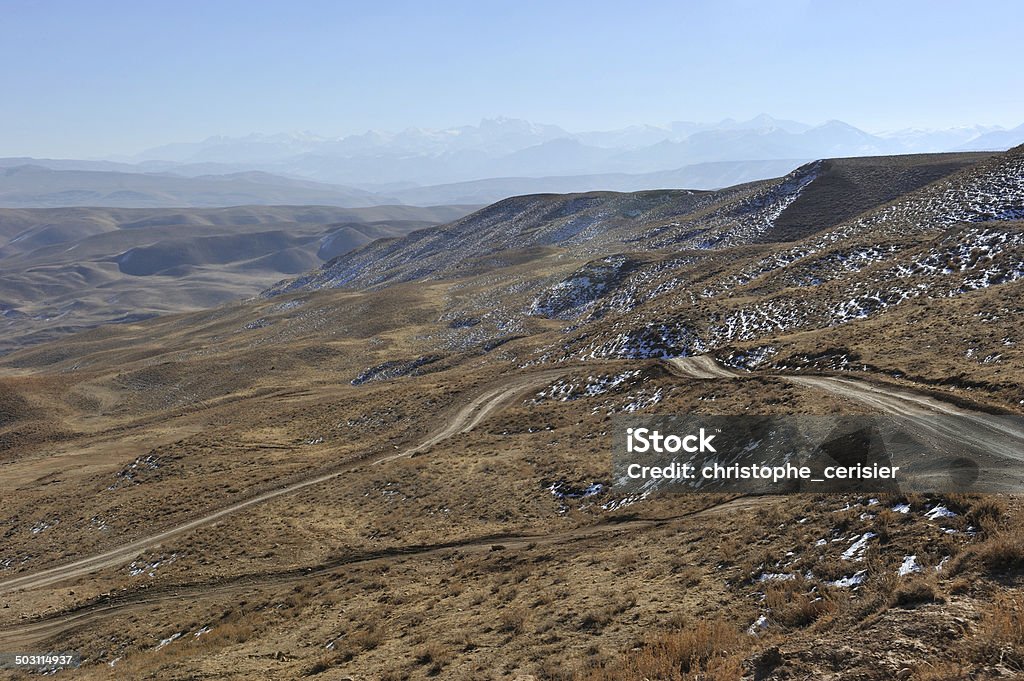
(69, 269)
(395, 464)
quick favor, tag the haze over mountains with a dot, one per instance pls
(34, 185)
(469, 164)
(509, 147)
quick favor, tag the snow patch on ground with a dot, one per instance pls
(144, 567)
(571, 296)
(128, 475)
(616, 504)
(909, 566)
(44, 525)
(858, 547)
(751, 359)
(856, 579)
(775, 577)
(169, 640)
(652, 341)
(564, 391)
(563, 490)
(760, 624)
(939, 511)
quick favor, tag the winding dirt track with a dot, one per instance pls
(996, 442)
(702, 366)
(40, 630)
(885, 399)
(464, 420)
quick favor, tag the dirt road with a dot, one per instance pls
(30, 633)
(470, 416)
(1001, 434)
(702, 366)
(996, 443)
(464, 420)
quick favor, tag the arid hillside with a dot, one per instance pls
(65, 269)
(398, 465)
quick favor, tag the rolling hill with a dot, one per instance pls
(712, 175)
(63, 269)
(605, 223)
(398, 465)
(34, 186)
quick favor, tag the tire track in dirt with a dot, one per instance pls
(464, 420)
(470, 416)
(36, 631)
(1001, 439)
(888, 400)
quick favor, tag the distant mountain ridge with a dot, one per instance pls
(36, 186)
(506, 147)
(814, 197)
(996, 140)
(482, 163)
(61, 183)
(708, 175)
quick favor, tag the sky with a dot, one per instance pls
(107, 78)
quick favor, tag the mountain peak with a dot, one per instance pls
(835, 124)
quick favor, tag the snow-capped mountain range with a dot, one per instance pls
(507, 147)
(467, 165)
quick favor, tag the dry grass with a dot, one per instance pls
(796, 603)
(1000, 635)
(942, 671)
(1001, 553)
(707, 649)
(537, 606)
(916, 590)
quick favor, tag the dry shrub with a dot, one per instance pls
(728, 550)
(600, 617)
(985, 513)
(960, 586)
(236, 628)
(690, 575)
(1000, 635)
(876, 595)
(319, 666)
(793, 603)
(710, 650)
(434, 656)
(521, 574)
(512, 620)
(232, 632)
(596, 619)
(832, 567)
(627, 559)
(1004, 552)
(552, 669)
(916, 590)
(1001, 552)
(941, 671)
(367, 638)
(844, 522)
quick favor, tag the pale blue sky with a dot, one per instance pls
(113, 77)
